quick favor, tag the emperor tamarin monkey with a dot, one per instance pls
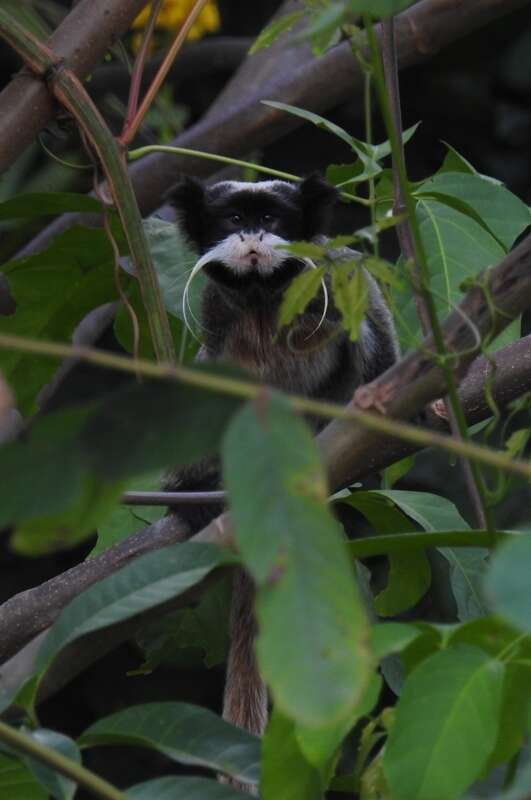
(239, 228)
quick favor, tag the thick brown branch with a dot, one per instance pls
(82, 40)
(239, 123)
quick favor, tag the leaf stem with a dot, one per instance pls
(249, 390)
(398, 542)
(139, 152)
(22, 743)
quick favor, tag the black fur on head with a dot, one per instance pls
(293, 211)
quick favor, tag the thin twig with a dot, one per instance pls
(171, 498)
(138, 69)
(129, 132)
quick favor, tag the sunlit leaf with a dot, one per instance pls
(285, 773)
(299, 293)
(271, 33)
(351, 296)
(448, 713)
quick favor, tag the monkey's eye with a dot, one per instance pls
(267, 218)
(236, 219)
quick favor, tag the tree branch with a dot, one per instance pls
(349, 450)
(239, 122)
(81, 40)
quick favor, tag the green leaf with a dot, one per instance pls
(467, 565)
(498, 638)
(126, 520)
(508, 580)
(17, 781)
(49, 533)
(41, 473)
(492, 204)
(457, 247)
(312, 628)
(145, 427)
(378, 8)
(409, 571)
(185, 733)
(392, 637)
(147, 582)
(172, 787)
(53, 290)
(310, 116)
(285, 773)
(351, 296)
(173, 258)
(39, 204)
(270, 34)
(299, 293)
(429, 641)
(467, 570)
(57, 785)
(396, 471)
(448, 714)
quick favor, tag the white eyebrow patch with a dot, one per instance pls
(229, 187)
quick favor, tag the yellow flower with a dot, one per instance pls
(174, 12)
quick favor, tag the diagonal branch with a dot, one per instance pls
(81, 40)
(349, 450)
(240, 123)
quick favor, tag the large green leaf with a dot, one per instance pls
(447, 714)
(497, 637)
(457, 247)
(47, 534)
(134, 429)
(38, 204)
(17, 781)
(42, 473)
(147, 582)
(378, 8)
(312, 640)
(409, 571)
(156, 424)
(53, 291)
(491, 203)
(508, 581)
(185, 733)
(172, 787)
(285, 773)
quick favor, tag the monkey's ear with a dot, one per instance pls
(317, 200)
(188, 198)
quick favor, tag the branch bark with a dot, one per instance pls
(81, 40)
(239, 123)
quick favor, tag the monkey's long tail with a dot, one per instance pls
(245, 699)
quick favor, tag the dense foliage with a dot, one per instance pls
(379, 688)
